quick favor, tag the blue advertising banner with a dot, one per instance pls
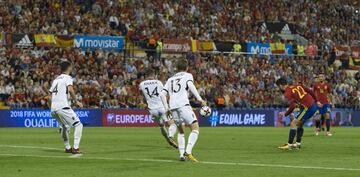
(265, 48)
(239, 118)
(236, 117)
(99, 42)
(35, 118)
(339, 117)
(353, 118)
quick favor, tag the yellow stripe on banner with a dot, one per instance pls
(194, 44)
(302, 114)
(44, 38)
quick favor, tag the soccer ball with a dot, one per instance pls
(205, 111)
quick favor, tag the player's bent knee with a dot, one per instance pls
(77, 124)
(171, 121)
(327, 115)
(195, 131)
(195, 126)
(300, 124)
(293, 124)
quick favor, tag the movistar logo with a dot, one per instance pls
(96, 43)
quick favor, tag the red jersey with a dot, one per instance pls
(322, 91)
(297, 94)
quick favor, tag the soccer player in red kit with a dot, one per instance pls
(322, 91)
(297, 95)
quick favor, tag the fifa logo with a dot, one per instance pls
(213, 119)
(110, 118)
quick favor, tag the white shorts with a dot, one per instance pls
(184, 114)
(159, 115)
(66, 117)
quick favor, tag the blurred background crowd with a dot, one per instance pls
(322, 21)
(109, 80)
(106, 80)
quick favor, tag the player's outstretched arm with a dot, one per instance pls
(48, 103)
(195, 93)
(290, 109)
(164, 100)
(73, 96)
(311, 92)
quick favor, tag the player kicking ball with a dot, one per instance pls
(322, 91)
(297, 94)
(178, 87)
(61, 110)
(151, 87)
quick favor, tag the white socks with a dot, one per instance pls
(192, 140)
(77, 135)
(181, 144)
(172, 130)
(65, 136)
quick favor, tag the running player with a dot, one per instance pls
(151, 87)
(297, 94)
(178, 87)
(61, 110)
(322, 91)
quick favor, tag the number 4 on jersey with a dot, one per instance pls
(154, 92)
(55, 89)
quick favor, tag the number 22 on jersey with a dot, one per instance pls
(300, 91)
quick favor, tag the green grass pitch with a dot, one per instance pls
(140, 152)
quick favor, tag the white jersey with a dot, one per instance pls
(59, 92)
(178, 87)
(151, 90)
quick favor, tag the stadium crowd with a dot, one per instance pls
(323, 22)
(107, 80)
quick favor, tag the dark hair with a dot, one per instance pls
(149, 72)
(64, 65)
(182, 65)
(281, 81)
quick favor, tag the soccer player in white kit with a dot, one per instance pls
(178, 87)
(61, 110)
(151, 88)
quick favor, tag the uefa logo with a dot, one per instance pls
(110, 118)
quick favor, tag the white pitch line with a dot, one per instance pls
(30, 147)
(172, 161)
(75, 156)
